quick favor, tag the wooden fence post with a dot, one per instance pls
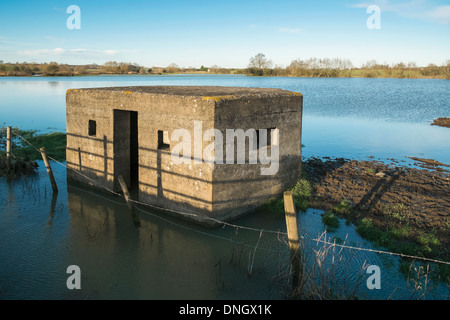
(129, 201)
(8, 145)
(126, 194)
(49, 169)
(52, 209)
(293, 237)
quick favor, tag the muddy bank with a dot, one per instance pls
(388, 193)
(431, 164)
(442, 122)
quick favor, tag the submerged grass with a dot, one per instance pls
(407, 240)
(403, 239)
(330, 220)
(327, 274)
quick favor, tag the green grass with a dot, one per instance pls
(54, 143)
(330, 220)
(429, 243)
(302, 192)
(344, 208)
(367, 230)
(275, 205)
(402, 239)
(403, 232)
(397, 212)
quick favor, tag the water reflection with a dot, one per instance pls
(53, 83)
(155, 260)
(163, 257)
(52, 209)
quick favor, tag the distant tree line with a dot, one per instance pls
(258, 65)
(110, 67)
(29, 69)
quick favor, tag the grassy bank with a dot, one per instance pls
(23, 157)
(55, 144)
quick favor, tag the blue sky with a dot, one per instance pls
(224, 33)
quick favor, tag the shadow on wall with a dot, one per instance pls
(165, 196)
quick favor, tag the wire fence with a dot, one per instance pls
(237, 227)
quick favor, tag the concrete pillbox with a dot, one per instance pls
(141, 132)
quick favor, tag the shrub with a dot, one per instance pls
(302, 192)
(330, 220)
(343, 208)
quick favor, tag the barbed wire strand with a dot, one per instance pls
(239, 226)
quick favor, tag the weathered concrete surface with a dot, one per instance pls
(220, 191)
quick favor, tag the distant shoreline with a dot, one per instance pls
(212, 74)
(313, 68)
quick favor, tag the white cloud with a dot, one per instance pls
(51, 38)
(289, 30)
(419, 9)
(33, 52)
(59, 50)
(440, 14)
(110, 52)
(62, 51)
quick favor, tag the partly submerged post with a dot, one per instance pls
(129, 201)
(49, 169)
(52, 209)
(8, 144)
(292, 230)
(126, 194)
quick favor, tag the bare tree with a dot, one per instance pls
(172, 68)
(260, 62)
(214, 68)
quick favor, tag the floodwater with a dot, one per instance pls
(342, 117)
(152, 255)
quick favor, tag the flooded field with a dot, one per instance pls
(155, 256)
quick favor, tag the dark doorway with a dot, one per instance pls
(126, 154)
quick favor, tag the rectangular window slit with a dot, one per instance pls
(92, 127)
(163, 140)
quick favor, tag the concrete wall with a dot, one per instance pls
(221, 191)
(241, 187)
